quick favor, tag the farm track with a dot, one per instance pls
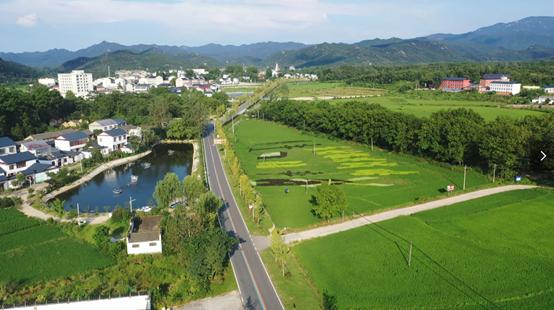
(387, 215)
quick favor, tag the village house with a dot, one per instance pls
(50, 135)
(12, 164)
(549, 89)
(145, 235)
(58, 158)
(74, 141)
(7, 146)
(37, 148)
(133, 131)
(455, 84)
(106, 124)
(114, 139)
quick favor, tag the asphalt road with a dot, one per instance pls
(255, 286)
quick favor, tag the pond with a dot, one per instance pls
(98, 194)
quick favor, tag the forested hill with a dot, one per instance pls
(527, 39)
(152, 59)
(14, 72)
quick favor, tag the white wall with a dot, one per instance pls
(141, 302)
(144, 247)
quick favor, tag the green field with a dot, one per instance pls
(425, 107)
(32, 250)
(328, 89)
(496, 252)
(372, 180)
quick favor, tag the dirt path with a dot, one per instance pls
(387, 215)
(228, 301)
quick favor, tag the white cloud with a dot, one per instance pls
(28, 20)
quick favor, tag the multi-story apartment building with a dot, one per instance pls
(78, 82)
(455, 84)
(505, 88)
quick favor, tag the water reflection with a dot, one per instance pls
(98, 196)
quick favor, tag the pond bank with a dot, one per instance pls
(122, 161)
(93, 173)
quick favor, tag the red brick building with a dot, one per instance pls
(455, 84)
(487, 79)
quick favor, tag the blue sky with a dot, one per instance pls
(35, 25)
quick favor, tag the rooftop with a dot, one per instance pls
(104, 122)
(16, 158)
(36, 168)
(455, 79)
(35, 144)
(78, 135)
(145, 228)
(116, 132)
(505, 82)
(49, 135)
(495, 76)
(5, 141)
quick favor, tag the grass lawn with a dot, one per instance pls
(425, 107)
(328, 89)
(32, 250)
(372, 180)
(494, 253)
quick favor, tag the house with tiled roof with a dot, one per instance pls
(7, 146)
(113, 140)
(74, 141)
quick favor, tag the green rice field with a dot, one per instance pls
(372, 180)
(425, 107)
(495, 252)
(32, 250)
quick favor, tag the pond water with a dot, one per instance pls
(98, 194)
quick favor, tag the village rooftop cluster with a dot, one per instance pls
(38, 155)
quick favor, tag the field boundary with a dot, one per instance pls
(387, 215)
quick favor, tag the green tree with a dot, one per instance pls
(180, 129)
(329, 201)
(168, 190)
(280, 250)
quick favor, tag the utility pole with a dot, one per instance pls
(410, 256)
(493, 173)
(131, 204)
(306, 188)
(77, 210)
(313, 147)
(233, 123)
(465, 173)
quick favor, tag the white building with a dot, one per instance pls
(505, 88)
(37, 148)
(48, 82)
(114, 139)
(133, 131)
(200, 71)
(7, 146)
(549, 89)
(78, 82)
(74, 141)
(152, 81)
(13, 164)
(145, 235)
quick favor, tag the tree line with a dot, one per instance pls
(37, 109)
(455, 136)
(529, 73)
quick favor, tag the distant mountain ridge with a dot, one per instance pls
(527, 39)
(245, 53)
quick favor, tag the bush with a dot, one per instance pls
(8, 202)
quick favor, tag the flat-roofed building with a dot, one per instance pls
(145, 236)
(77, 81)
(505, 88)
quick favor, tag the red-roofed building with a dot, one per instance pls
(487, 79)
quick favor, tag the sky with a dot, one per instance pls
(37, 25)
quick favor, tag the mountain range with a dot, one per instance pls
(527, 39)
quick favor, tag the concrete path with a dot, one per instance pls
(387, 215)
(229, 301)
